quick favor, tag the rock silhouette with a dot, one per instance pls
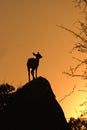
(34, 107)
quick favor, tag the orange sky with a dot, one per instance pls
(28, 26)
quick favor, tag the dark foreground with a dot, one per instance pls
(33, 107)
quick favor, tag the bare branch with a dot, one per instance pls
(80, 2)
(83, 28)
(77, 35)
(82, 90)
(83, 103)
(68, 94)
(74, 71)
(80, 47)
(80, 70)
(75, 75)
(77, 59)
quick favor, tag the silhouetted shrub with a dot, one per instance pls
(5, 91)
(78, 124)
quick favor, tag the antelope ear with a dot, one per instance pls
(34, 54)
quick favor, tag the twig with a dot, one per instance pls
(83, 103)
(82, 90)
(77, 35)
(68, 94)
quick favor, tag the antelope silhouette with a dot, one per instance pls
(32, 65)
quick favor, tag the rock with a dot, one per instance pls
(34, 107)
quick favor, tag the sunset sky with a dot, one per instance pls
(28, 26)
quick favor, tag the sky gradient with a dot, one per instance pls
(28, 26)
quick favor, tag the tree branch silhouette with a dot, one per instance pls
(67, 95)
(80, 47)
(80, 69)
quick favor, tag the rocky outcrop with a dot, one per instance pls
(34, 107)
